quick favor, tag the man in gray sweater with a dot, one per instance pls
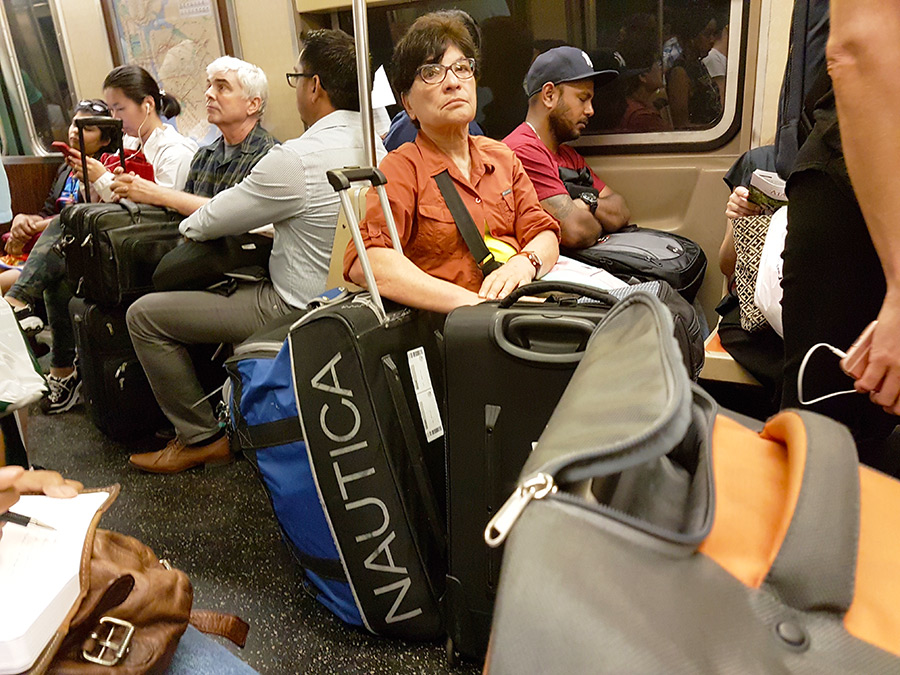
(287, 188)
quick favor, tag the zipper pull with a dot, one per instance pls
(536, 487)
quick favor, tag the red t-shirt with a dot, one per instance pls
(541, 165)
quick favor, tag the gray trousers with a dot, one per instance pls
(162, 324)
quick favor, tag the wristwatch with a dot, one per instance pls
(534, 259)
(590, 199)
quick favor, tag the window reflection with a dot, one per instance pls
(44, 80)
(671, 55)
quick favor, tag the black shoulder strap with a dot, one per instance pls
(466, 226)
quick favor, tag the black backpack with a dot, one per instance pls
(637, 253)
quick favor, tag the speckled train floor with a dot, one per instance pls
(218, 526)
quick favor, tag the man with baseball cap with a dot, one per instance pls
(560, 85)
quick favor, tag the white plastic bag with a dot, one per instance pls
(21, 380)
(767, 296)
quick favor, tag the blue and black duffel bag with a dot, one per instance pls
(267, 429)
(389, 590)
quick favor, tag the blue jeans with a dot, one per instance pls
(44, 277)
(198, 654)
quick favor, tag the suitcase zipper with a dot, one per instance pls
(537, 487)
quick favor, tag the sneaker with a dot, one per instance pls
(30, 322)
(65, 393)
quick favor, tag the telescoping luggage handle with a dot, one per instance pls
(104, 123)
(340, 180)
(571, 324)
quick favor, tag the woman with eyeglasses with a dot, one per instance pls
(136, 98)
(433, 68)
(43, 274)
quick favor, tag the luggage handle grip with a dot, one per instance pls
(134, 211)
(538, 287)
(340, 180)
(103, 122)
(558, 323)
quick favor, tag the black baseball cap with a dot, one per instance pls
(564, 64)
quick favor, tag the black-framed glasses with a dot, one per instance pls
(435, 73)
(98, 107)
(294, 78)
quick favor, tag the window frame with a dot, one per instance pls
(700, 140)
(22, 126)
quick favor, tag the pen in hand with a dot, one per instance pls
(19, 519)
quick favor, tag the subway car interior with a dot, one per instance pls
(218, 524)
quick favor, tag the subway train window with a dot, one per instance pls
(36, 93)
(678, 63)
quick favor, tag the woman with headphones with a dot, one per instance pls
(135, 97)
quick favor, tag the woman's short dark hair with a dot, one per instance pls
(96, 107)
(331, 54)
(136, 83)
(425, 42)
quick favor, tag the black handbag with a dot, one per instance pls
(111, 250)
(197, 265)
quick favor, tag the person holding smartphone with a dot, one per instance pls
(137, 99)
(42, 277)
(65, 189)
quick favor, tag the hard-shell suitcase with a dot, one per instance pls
(112, 250)
(115, 389)
(507, 364)
(645, 254)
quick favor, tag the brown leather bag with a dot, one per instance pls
(134, 610)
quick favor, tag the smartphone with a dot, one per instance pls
(854, 364)
(64, 148)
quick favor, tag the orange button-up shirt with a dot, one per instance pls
(499, 196)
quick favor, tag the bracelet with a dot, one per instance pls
(534, 259)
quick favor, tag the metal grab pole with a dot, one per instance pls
(361, 32)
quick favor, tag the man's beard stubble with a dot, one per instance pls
(560, 127)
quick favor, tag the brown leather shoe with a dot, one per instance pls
(177, 457)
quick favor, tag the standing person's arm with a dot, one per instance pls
(863, 52)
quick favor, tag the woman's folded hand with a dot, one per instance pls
(505, 279)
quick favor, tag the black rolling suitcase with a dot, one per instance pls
(368, 390)
(114, 387)
(112, 250)
(507, 365)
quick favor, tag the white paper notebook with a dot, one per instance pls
(39, 571)
(577, 272)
